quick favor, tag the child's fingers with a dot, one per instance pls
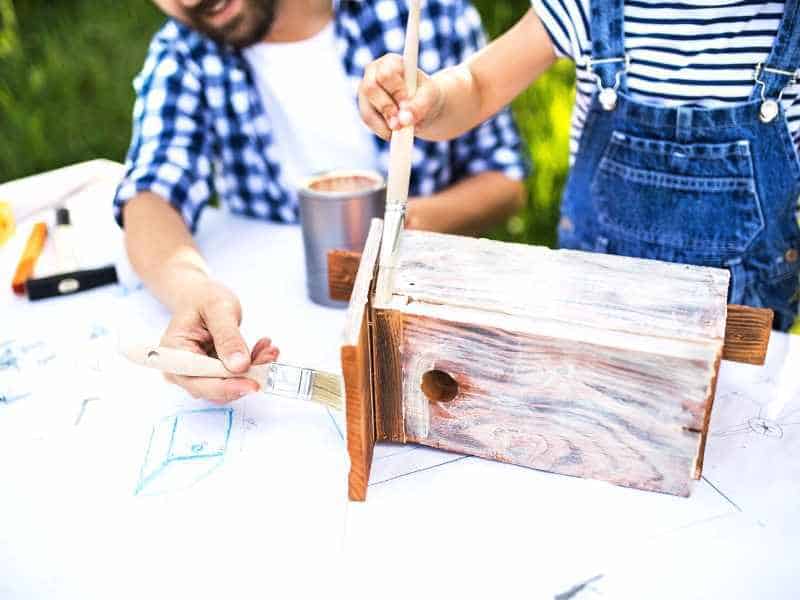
(423, 106)
(373, 118)
(390, 75)
(377, 97)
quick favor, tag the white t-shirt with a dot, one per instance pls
(311, 106)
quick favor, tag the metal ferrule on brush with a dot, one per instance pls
(294, 382)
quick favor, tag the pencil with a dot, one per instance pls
(32, 252)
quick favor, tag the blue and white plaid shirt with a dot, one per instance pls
(200, 126)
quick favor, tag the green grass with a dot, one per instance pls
(65, 94)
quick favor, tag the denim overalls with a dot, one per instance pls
(709, 186)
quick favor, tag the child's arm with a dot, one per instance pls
(457, 99)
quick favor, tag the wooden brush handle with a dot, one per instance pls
(400, 154)
(188, 364)
(402, 144)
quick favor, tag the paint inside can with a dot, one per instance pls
(344, 183)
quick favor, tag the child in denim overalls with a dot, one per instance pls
(709, 186)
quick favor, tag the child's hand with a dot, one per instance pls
(384, 101)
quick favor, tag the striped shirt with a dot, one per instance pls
(682, 52)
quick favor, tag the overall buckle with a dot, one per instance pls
(770, 107)
(608, 95)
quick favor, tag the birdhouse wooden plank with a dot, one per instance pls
(582, 364)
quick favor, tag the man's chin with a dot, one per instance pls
(247, 36)
(243, 30)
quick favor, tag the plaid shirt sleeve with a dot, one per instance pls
(494, 145)
(170, 152)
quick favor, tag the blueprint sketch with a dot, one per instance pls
(184, 449)
(20, 362)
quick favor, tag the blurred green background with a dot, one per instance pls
(66, 68)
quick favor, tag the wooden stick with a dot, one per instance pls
(400, 153)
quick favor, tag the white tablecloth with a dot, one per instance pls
(251, 502)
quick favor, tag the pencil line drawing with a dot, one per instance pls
(184, 449)
(721, 493)
(83, 409)
(758, 424)
(584, 586)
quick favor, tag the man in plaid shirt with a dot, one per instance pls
(239, 98)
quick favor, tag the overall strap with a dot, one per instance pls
(783, 64)
(608, 42)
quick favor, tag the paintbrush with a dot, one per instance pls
(400, 153)
(273, 378)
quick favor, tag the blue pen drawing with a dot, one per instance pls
(97, 331)
(127, 289)
(184, 449)
(17, 355)
(18, 361)
(7, 398)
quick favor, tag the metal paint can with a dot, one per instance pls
(336, 209)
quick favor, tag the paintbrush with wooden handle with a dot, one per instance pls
(400, 153)
(273, 378)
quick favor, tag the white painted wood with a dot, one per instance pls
(560, 292)
(595, 366)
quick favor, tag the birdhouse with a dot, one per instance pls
(589, 365)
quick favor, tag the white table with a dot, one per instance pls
(84, 514)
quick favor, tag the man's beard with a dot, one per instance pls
(250, 26)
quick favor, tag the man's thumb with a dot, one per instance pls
(223, 325)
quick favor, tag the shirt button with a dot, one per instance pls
(791, 255)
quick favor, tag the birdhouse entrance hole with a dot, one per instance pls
(438, 386)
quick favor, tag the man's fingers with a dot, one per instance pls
(219, 391)
(222, 320)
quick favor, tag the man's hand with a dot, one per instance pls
(209, 324)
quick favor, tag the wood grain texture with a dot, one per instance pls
(387, 345)
(342, 271)
(630, 418)
(583, 364)
(574, 294)
(712, 394)
(747, 334)
(356, 355)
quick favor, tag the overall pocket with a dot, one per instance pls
(696, 200)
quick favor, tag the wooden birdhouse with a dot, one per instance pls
(589, 365)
